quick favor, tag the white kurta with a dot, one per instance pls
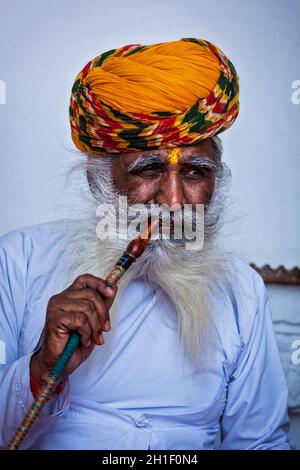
(138, 390)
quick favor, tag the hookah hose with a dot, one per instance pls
(133, 251)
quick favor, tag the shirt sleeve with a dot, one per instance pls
(15, 393)
(255, 415)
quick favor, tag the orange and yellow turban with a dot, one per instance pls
(147, 97)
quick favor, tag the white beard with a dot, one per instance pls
(189, 278)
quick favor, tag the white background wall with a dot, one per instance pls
(43, 45)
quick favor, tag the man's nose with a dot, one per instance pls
(170, 190)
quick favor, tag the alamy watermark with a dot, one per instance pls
(2, 92)
(296, 94)
(295, 357)
(173, 222)
(2, 352)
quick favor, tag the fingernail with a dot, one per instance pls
(88, 343)
(110, 290)
(107, 325)
(100, 340)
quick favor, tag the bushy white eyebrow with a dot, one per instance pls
(201, 161)
(146, 160)
(143, 161)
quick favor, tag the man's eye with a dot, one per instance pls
(197, 173)
(152, 171)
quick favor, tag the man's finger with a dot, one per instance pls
(89, 281)
(87, 308)
(77, 321)
(93, 296)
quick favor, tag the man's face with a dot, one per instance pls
(163, 176)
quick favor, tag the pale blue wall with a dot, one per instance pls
(44, 44)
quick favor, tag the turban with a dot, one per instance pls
(158, 96)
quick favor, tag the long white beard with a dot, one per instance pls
(190, 279)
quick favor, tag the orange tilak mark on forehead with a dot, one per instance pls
(174, 156)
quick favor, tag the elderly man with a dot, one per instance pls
(184, 348)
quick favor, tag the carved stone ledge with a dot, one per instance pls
(280, 275)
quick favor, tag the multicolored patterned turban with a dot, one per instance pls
(159, 96)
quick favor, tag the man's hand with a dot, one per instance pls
(82, 307)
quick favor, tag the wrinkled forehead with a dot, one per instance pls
(172, 155)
